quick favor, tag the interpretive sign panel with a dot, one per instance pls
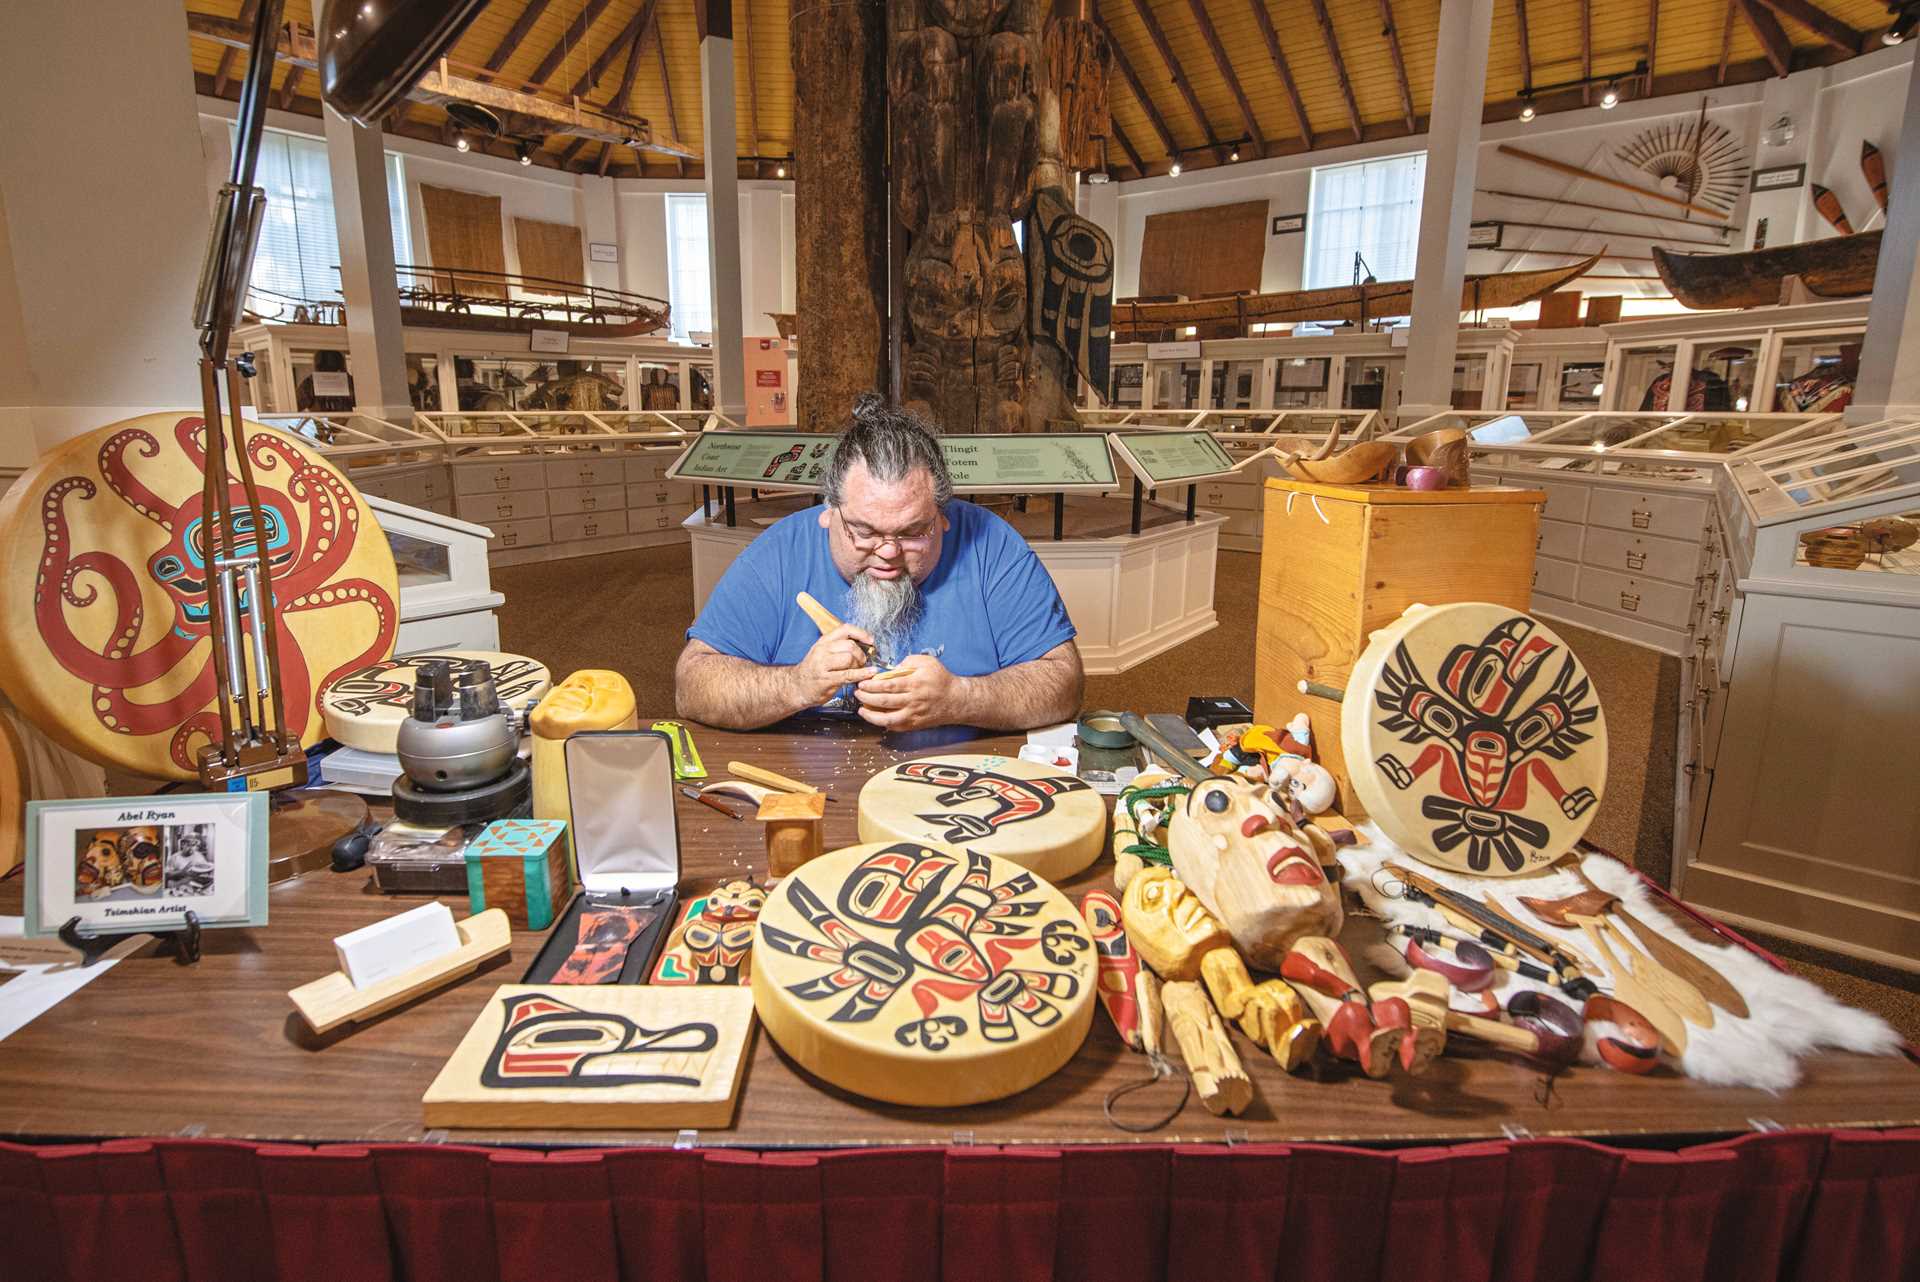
(1168, 458)
(1030, 461)
(762, 460)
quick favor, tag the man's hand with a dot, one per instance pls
(839, 658)
(922, 694)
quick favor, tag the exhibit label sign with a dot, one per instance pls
(1030, 461)
(1167, 458)
(763, 460)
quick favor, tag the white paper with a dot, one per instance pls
(1060, 736)
(396, 944)
(42, 985)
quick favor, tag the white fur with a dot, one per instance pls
(1788, 1017)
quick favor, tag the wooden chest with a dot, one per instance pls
(520, 865)
(1339, 561)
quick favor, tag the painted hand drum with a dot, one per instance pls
(103, 582)
(1038, 816)
(364, 708)
(1474, 738)
(923, 975)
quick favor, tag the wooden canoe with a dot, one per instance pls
(578, 325)
(1135, 321)
(1838, 267)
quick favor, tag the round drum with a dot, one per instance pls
(1474, 738)
(364, 709)
(103, 583)
(923, 975)
(1038, 816)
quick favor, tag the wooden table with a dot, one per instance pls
(154, 1048)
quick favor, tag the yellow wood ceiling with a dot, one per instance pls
(1695, 44)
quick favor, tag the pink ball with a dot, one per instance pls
(1426, 478)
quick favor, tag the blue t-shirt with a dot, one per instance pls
(989, 602)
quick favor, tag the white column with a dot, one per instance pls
(1789, 212)
(720, 145)
(1446, 205)
(376, 347)
(598, 210)
(103, 205)
(1889, 382)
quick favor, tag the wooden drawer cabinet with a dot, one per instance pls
(1561, 539)
(1671, 516)
(484, 477)
(661, 494)
(1652, 600)
(588, 525)
(1223, 496)
(490, 509)
(647, 467)
(1643, 554)
(563, 499)
(586, 470)
(1554, 577)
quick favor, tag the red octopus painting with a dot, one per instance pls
(109, 539)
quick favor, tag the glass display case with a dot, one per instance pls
(1799, 358)
(1815, 372)
(1236, 385)
(1373, 383)
(1581, 383)
(1721, 375)
(1645, 378)
(1300, 382)
(1176, 384)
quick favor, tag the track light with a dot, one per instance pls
(1527, 112)
(779, 171)
(1610, 99)
(460, 143)
(523, 152)
(1234, 155)
(1905, 18)
(1173, 170)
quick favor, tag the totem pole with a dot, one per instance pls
(993, 334)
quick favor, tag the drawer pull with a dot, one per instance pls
(1720, 616)
(589, 502)
(503, 510)
(1636, 560)
(590, 529)
(1630, 601)
(501, 480)
(1642, 518)
(510, 538)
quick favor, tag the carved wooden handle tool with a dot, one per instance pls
(770, 779)
(1628, 989)
(1685, 999)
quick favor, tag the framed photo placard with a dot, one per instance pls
(128, 864)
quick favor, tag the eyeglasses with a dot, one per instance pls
(866, 539)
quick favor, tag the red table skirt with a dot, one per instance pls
(1812, 1205)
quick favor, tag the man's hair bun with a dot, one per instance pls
(868, 405)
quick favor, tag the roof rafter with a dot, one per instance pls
(228, 54)
(1180, 82)
(1766, 29)
(1820, 23)
(1264, 21)
(1586, 49)
(1726, 41)
(572, 149)
(597, 69)
(568, 40)
(515, 35)
(291, 85)
(1653, 45)
(1225, 66)
(1339, 65)
(1526, 51)
(1133, 156)
(620, 95)
(753, 98)
(666, 88)
(1392, 32)
(1140, 96)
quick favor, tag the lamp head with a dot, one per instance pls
(372, 51)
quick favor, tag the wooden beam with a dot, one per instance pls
(606, 154)
(1392, 33)
(1264, 21)
(1821, 23)
(1159, 38)
(529, 14)
(753, 99)
(1586, 48)
(1767, 30)
(290, 86)
(1121, 136)
(1526, 51)
(1726, 40)
(1140, 96)
(228, 54)
(568, 152)
(597, 69)
(569, 39)
(1339, 65)
(1225, 66)
(620, 95)
(1653, 45)
(666, 88)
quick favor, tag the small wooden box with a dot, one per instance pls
(1339, 561)
(520, 865)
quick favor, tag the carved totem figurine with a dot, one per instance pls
(990, 343)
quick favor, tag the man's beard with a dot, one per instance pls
(887, 609)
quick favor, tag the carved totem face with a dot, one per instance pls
(968, 17)
(99, 869)
(977, 288)
(1252, 869)
(1169, 926)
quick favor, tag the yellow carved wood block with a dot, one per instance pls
(604, 1056)
(1038, 816)
(1475, 738)
(589, 699)
(923, 975)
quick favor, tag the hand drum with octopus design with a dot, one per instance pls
(923, 975)
(104, 554)
(1474, 738)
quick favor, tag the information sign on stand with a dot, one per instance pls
(1172, 458)
(1030, 462)
(756, 460)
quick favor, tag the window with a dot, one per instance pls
(688, 283)
(1370, 208)
(299, 254)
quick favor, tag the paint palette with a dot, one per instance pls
(600, 1058)
(1475, 738)
(1040, 817)
(923, 975)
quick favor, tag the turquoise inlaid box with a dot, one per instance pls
(520, 865)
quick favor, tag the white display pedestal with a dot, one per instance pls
(1130, 596)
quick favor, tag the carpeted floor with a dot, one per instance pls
(629, 612)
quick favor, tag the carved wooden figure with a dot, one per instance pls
(1375, 1035)
(1223, 1085)
(713, 941)
(1119, 965)
(976, 138)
